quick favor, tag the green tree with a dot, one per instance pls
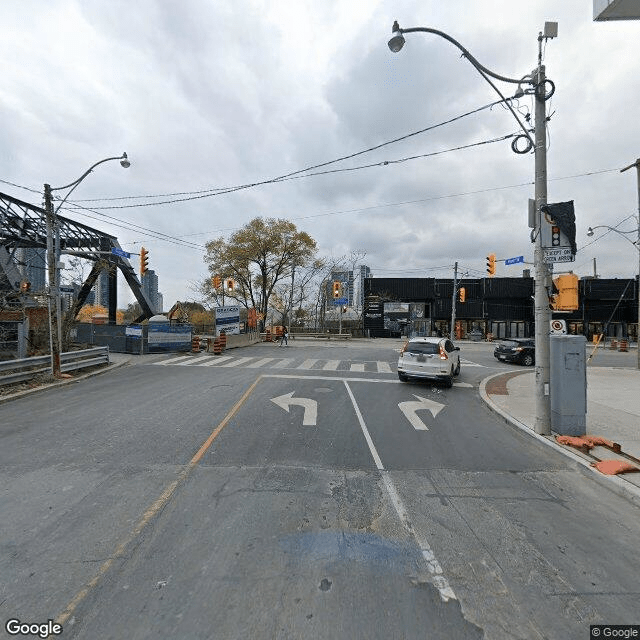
(257, 257)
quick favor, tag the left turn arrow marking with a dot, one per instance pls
(310, 407)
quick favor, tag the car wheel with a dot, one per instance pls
(402, 376)
(448, 381)
(457, 371)
(527, 360)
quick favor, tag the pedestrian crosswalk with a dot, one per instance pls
(301, 364)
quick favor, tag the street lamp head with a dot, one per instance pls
(397, 40)
(589, 231)
(124, 161)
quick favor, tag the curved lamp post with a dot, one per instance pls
(55, 328)
(636, 244)
(537, 82)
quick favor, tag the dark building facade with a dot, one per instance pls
(502, 307)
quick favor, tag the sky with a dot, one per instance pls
(208, 96)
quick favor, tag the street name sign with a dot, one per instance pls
(514, 260)
(337, 301)
(120, 252)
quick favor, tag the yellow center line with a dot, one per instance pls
(154, 509)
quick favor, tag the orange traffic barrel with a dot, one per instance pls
(223, 339)
(195, 344)
(268, 336)
(217, 347)
(624, 345)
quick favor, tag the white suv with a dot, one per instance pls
(435, 358)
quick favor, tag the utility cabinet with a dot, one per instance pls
(568, 385)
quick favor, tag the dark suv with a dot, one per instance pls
(520, 350)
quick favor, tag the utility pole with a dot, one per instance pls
(52, 279)
(636, 164)
(542, 279)
(453, 302)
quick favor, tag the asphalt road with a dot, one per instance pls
(300, 492)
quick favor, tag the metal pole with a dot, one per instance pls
(542, 314)
(453, 303)
(51, 275)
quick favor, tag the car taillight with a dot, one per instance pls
(443, 354)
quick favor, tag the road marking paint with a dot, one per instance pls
(237, 363)
(259, 363)
(152, 511)
(283, 364)
(357, 366)
(410, 408)
(172, 360)
(331, 365)
(310, 406)
(194, 360)
(215, 361)
(383, 367)
(308, 364)
(433, 566)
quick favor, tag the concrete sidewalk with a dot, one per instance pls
(613, 412)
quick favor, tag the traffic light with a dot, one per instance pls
(463, 294)
(25, 286)
(336, 289)
(566, 298)
(230, 284)
(216, 281)
(144, 261)
(491, 264)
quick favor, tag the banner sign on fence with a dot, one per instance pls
(228, 319)
(163, 335)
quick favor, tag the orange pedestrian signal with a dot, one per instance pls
(231, 285)
(144, 261)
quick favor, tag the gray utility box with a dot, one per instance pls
(568, 388)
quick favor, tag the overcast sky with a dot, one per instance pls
(212, 95)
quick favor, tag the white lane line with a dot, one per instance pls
(259, 363)
(237, 363)
(331, 365)
(172, 360)
(383, 367)
(283, 364)
(433, 566)
(194, 360)
(357, 366)
(308, 364)
(215, 361)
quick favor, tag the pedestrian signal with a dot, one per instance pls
(336, 289)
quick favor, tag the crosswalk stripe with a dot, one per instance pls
(194, 360)
(308, 364)
(259, 363)
(331, 365)
(383, 367)
(357, 366)
(237, 363)
(172, 360)
(283, 364)
(216, 360)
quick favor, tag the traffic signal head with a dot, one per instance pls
(144, 261)
(25, 285)
(463, 294)
(230, 284)
(336, 289)
(491, 264)
(217, 281)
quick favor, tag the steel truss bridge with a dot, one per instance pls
(24, 225)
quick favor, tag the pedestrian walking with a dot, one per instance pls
(285, 338)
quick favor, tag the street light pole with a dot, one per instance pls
(55, 324)
(537, 79)
(636, 164)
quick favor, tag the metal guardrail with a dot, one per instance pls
(28, 368)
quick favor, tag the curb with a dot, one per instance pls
(616, 484)
(59, 383)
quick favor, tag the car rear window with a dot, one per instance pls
(423, 347)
